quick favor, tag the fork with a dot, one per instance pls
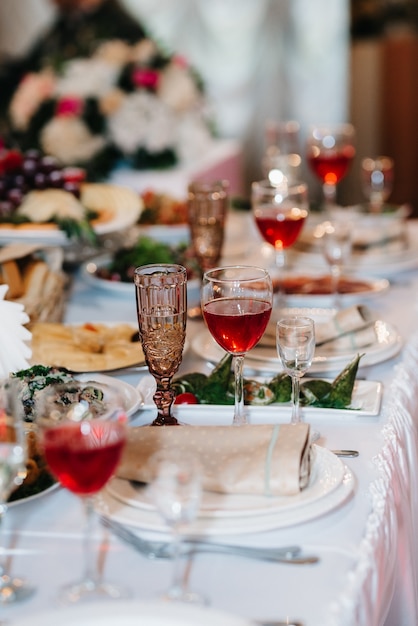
(163, 549)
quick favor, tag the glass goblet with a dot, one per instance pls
(207, 205)
(336, 246)
(161, 300)
(82, 431)
(295, 338)
(377, 181)
(282, 158)
(176, 492)
(236, 306)
(329, 151)
(13, 457)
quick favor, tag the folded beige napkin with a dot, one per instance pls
(350, 328)
(267, 459)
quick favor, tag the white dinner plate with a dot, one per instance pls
(173, 234)
(115, 287)
(120, 221)
(326, 475)
(106, 504)
(366, 401)
(131, 613)
(385, 262)
(264, 358)
(132, 398)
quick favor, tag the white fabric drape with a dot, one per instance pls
(260, 59)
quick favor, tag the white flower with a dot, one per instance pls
(115, 52)
(143, 51)
(69, 140)
(86, 77)
(177, 88)
(143, 121)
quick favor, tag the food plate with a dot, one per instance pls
(132, 613)
(88, 347)
(117, 288)
(314, 289)
(366, 402)
(35, 496)
(173, 234)
(327, 474)
(132, 398)
(264, 358)
(283, 517)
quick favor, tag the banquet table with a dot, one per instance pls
(367, 574)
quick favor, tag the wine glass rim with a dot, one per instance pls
(296, 321)
(162, 268)
(331, 127)
(220, 273)
(298, 186)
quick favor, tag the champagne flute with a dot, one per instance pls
(161, 300)
(83, 431)
(207, 207)
(282, 159)
(336, 246)
(236, 305)
(13, 457)
(176, 492)
(330, 151)
(377, 181)
(295, 338)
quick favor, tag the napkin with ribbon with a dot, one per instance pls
(267, 459)
(351, 328)
(15, 338)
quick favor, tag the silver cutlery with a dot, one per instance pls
(163, 549)
(279, 623)
(346, 453)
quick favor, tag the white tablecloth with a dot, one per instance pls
(367, 572)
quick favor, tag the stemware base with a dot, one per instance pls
(90, 591)
(14, 590)
(185, 596)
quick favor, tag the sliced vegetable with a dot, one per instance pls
(186, 398)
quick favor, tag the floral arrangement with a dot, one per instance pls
(125, 102)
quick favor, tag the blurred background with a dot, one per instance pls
(308, 60)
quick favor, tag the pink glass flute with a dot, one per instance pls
(161, 298)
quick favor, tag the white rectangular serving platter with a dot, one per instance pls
(366, 402)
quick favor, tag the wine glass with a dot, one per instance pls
(330, 151)
(377, 181)
(336, 245)
(82, 430)
(282, 159)
(161, 301)
(295, 338)
(176, 492)
(280, 212)
(236, 305)
(207, 206)
(13, 457)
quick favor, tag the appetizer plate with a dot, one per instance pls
(115, 287)
(132, 613)
(327, 474)
(35, 496)
(108, 505)
(131, 396)
(55, 236)
(366, 402)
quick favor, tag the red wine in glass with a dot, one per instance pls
(330, 151)
(237, 326)
(84, 455)
(236, 304)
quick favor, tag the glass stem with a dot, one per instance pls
(91, 575)
(295, 400)
(239, 415)
(177, 585)
(330, 194)
(335, 283)
(164, 398)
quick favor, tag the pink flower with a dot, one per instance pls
(180, 61)
(69, 105)
(143, 77)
